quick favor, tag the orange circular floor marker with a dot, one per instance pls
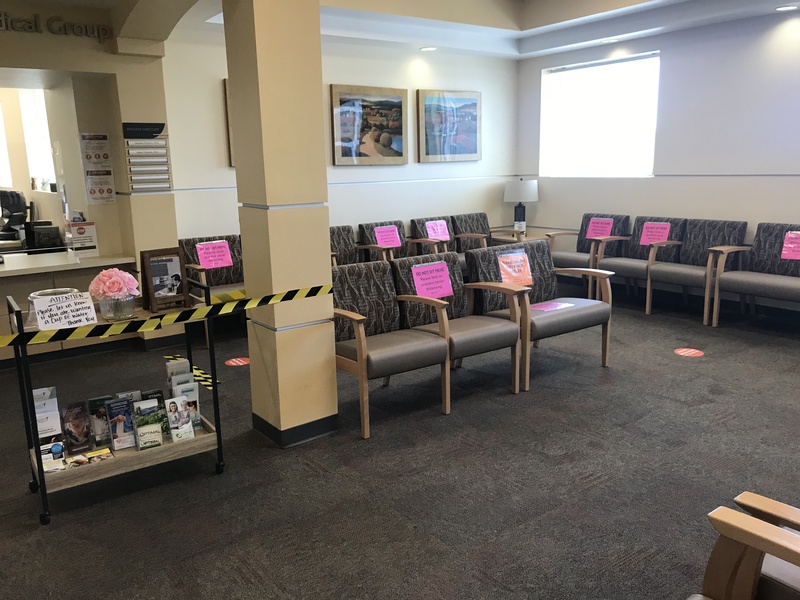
(692, 352)
(237, 362)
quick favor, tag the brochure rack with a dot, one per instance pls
(126, 460)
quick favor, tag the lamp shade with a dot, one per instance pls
(521, 190)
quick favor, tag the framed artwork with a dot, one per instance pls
(164, 279)
(449, 125)
(369, 125)
(228, 123)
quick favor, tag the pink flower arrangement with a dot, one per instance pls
(113, 283)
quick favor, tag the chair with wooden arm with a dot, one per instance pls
(696, 263)
(633, 264)
(472, 231)
(734, 568)
(469, 334)
(369, 341)
(374, 251)
(544, 313)
(764, 269)
(428, 243)
(343, 245)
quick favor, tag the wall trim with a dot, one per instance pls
(294, 436)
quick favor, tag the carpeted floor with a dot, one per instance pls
(594, 485)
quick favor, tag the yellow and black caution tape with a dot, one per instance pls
(231, 296)
(158, 322)
(200, 376)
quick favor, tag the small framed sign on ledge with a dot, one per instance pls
(164, 279)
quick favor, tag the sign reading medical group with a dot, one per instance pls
(55, 26)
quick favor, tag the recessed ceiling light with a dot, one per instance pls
(428, 49)
(610, 41)
(786, 8)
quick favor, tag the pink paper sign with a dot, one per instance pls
(213, 255)
(599, 227)
(791, 246)
(432, 280)
(654, 232)
(387, 236)
(551, 305)
(437, 230)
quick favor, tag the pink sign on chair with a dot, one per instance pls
(432, 280)
(387, 236)
(654, 232)
(599, 227)
(791, 246)
(551, 305)
(437, 230)
(213, 255)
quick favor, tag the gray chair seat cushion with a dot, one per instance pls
(571, 260)
(689, 275)
(635, 268)
(397, 352)
(780, 580)
(583, 313)
(765, 285)
(477, 334)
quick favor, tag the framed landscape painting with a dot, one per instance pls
(369, 125)
(449, 125)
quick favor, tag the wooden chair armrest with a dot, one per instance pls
(375, 247)
(756, 533)
(727, 249)
(611, 238)
(354, 317)
(434, 302)
(553, 234)
(598, 248)
(194, 267)
(581, 271)
(665, 243)
(769, 510)
(518, 235)
(427, 241)
(516, 296)
(509, 289)
(476, 236)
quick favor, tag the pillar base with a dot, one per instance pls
(294, 436)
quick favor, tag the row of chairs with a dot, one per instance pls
(397, 316)
(697, 253)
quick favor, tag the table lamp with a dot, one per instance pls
(521, 191)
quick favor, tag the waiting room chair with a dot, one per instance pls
(696, 264)
(345, 251)
(369, 341)
(545, 314)
(763, 271)
(472, 231)
(469, 334)
(419, 230)
(407, 247)
(636, 256)
(737, 564)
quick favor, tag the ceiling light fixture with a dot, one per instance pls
(786, 8)
(428, 49)
(610, 41)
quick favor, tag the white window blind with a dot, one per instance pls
(5, 164)
(37, 135)
(599, 120)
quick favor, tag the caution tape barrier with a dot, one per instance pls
(157, 322)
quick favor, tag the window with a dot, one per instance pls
(37, 136)
(5, 164)
(599, 119)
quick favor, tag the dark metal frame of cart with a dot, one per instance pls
(38, 481)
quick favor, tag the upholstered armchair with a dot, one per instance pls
(695, 266)
(407, 247)
(432, 245)
(754, 557)
(369, 341)
(472, 231)
(343, 245)
(469, 334)
(221, 280)
(545, 314)
(634, 262)
(762, 270)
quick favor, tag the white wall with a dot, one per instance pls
(727, 144)
(195, 66)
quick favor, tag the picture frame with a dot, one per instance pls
(228, 122)
(369, 125)
(448, 125)
(164, 281)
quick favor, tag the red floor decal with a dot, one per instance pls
(692, 352)
(237, 362)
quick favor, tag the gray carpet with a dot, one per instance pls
(594, 485)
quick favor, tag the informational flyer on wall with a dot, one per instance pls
(99, 176)
(84, 239)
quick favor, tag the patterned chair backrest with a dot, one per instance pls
(622, 226)
(470, 223)
(702, 234)
(232, 275)
(667, 254)
(419, 230)
(343, 242)
(765, 255)
(414, 314)
(483, 265)
(366, 234)
(366, 289)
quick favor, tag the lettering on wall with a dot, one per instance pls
(54, 26)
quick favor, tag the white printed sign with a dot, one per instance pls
(68, 310)
(100, 186)
(96, 150)
(84, 238)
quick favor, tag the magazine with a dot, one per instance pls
(77, 427)
(148, 417)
